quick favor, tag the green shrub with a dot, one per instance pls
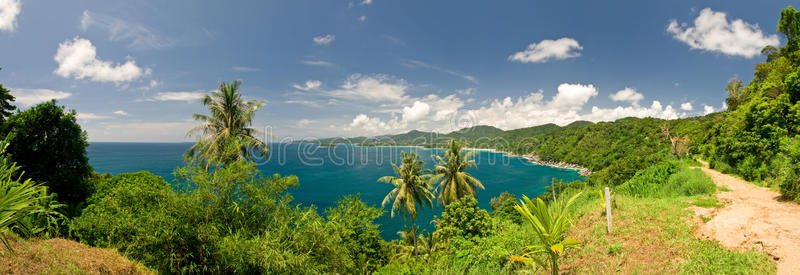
(688, 182)
(465, 219)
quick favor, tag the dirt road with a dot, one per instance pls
(753, 217)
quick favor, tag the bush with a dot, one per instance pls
(465, 219)
(49, 145)
(668, 179)
(229, 220)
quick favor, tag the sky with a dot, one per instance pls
(134, 70)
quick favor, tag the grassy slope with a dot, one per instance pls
(652, 236)
(60, 256)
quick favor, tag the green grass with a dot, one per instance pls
(709, 201)
(650, 236)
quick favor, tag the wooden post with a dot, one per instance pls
(608, 208)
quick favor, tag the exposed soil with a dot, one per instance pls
(754, 217)
(60, 256)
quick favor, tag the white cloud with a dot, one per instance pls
(707, 109)
(712, 32)
(319, 63)
(420, 64)
(377, 88)
(572, 97)
(90, 116)
(445, 114)
(140, 36)
(9, 9)
(627, 94)
(309, 85)
(366, 2)
(724, 105)
(246, 69)
(324, 39)
(304, 122)
(545, 50)
(687, 106)
(416, 112)
(121, 112)
(78, 59)
(177, 96)
(362, 18)
(28, 97)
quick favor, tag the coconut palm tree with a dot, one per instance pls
(229, 122)
(453, 183)
(410, 190)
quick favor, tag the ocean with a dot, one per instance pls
(328, 174)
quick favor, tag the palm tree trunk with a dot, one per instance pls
(414, 234)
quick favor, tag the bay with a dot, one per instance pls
(328, 174)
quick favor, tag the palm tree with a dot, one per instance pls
(409, 190)
(453, 182)
(228, 123)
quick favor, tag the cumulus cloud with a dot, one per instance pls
(713, 32)
(628, 95)
(362, 18)
(366, 2)
(309, 85)
(9, 9)
(140, 36)
(445, 114)
(77, 58)
(417, 111)
(687, 106)
(324, 39)
(121, 112)
(707, 109)
(376, 88)
(28, 97)
(545, 50)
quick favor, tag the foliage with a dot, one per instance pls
(49, 145)
(228, 220)
(668, 179)
(549, 224)
(6, 108)
(463, 218)
(410, 190)
(229, 123)
(22, 202)
(503, 207)
(450, 174)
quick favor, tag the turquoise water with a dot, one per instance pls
(327, 174)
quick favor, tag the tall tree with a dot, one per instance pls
(789, 25)
(410, 190)
(229, 122)
(49, 145)
(6, 109)
(453, 181)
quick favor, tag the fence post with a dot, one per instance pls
(608, 208)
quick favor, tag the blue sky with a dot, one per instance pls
(133, 70)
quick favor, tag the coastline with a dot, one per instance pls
(582, 171)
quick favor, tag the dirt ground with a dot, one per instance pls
(754, 217)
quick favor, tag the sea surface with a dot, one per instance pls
(328, 174)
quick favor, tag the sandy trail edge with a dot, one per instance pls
(754, 218)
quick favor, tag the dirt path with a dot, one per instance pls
(754, 218)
